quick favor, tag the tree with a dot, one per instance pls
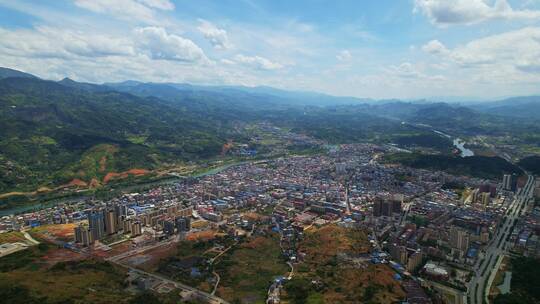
(145, 298)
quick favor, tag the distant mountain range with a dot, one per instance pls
(55, 133)
(255, 94)
(523, 106)
(519, 107)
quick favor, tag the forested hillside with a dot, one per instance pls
(51, 134)
(56, 133)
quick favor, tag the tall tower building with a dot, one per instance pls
(136, 228)
(506, 181)
(415, 260)
(126, 225)
(168, 227)
(486, 198)
(377, 207)
(110, 221)
(459, 239)
(183, 224)
(83, 235)
(399, 253)
(97, 225)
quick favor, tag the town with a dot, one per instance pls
(440, 237)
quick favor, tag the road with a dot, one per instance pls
(212, 260)
(273, 294)
(140, 250)
(477, 287)
(199, 294)
(30, 238)
(291, 273)
(218, 278)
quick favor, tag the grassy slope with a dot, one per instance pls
(247, 271)
(340, 283)
(26, 277)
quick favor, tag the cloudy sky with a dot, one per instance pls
(378, 49)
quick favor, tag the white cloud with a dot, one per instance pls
(227, 61)
(60, 43)
(444, 12)
(405, 70)
(434, 47)
(159, 4)
(514, 48)
(142, 10)
(159, 44)
(500, 63)
(344, 55)
(217, 37)
(50, 42)
(409, 71)
(257, 62)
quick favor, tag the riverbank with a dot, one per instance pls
(38, 203)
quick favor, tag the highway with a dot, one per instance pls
(477, 293)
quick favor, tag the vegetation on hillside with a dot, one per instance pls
(531, 164)
(426, 140)
(477, 166)
(524, 283)
(329, 275)
(51, 134)
(249, 269)
(68, 134)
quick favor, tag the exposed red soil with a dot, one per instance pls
(94, 183)
(115, 175)
(77, 182)
(61, 255)
(202, 235)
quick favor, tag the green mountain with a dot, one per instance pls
(478, 166)
(527, 107)
(6, 73)
(248, 96)
(51, 133)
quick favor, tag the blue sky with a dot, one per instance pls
(379, 49)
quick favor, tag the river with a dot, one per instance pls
(458, 143)
(463, 151)
(51, 203)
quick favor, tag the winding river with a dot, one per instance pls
(458, 143)
(463, 151)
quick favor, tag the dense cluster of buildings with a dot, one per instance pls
(419, 225)
(115, 219)
(525, 237)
